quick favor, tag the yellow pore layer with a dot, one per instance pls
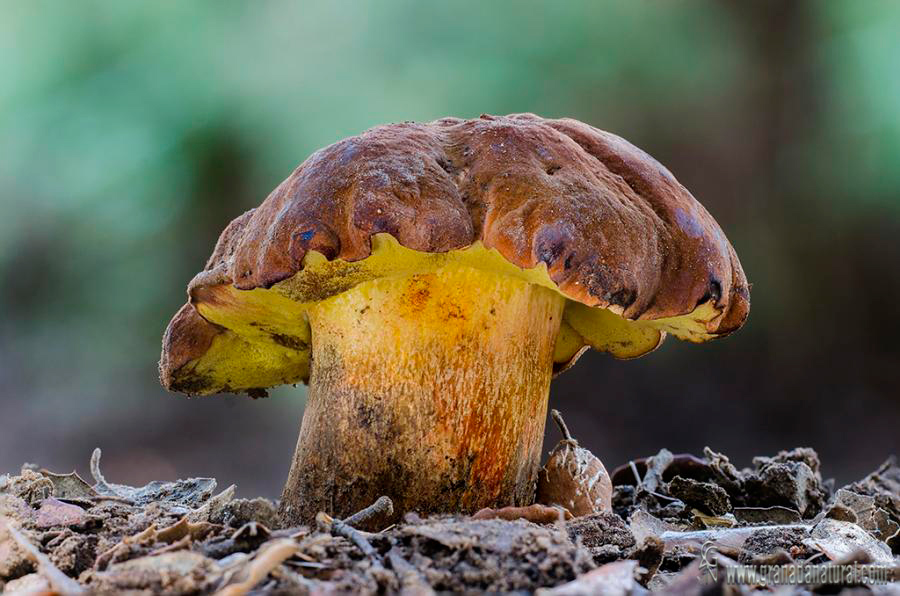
(267, 337)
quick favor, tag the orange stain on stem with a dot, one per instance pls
(438, 379)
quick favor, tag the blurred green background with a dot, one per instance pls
(131, 133)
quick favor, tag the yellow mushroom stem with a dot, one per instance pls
(431, 389)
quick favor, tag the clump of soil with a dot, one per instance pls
(678, 522)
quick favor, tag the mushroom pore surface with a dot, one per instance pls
(260, 338)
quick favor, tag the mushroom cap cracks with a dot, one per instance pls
(555, 202)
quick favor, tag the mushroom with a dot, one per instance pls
(427, 280)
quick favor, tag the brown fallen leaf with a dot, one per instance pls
(183, 527)
(270, 556)
(70, 486)
(181, 544)
(180, 572)
(537, 513)
(54, 512)
(144, 537)
(192, 493)
(714, 521)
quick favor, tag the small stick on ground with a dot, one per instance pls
(383, 506)
(637, 476)
(345, 529)
(337, 527)
(641, 488)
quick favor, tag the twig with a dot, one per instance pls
(637, 476)
(558, 419)
(61, 582)
(662, 496)
(383, 506)
(344, 528)
(113, 498)
(641, 488)
(340, 528)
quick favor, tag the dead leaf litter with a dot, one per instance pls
(60, 533)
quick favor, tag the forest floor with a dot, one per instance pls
(680, 524)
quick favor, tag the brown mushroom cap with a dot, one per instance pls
(613, 228)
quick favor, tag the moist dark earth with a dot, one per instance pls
(60, 533)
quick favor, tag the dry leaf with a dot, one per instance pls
(270, 556)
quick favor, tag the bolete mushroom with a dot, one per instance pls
(427, 280)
